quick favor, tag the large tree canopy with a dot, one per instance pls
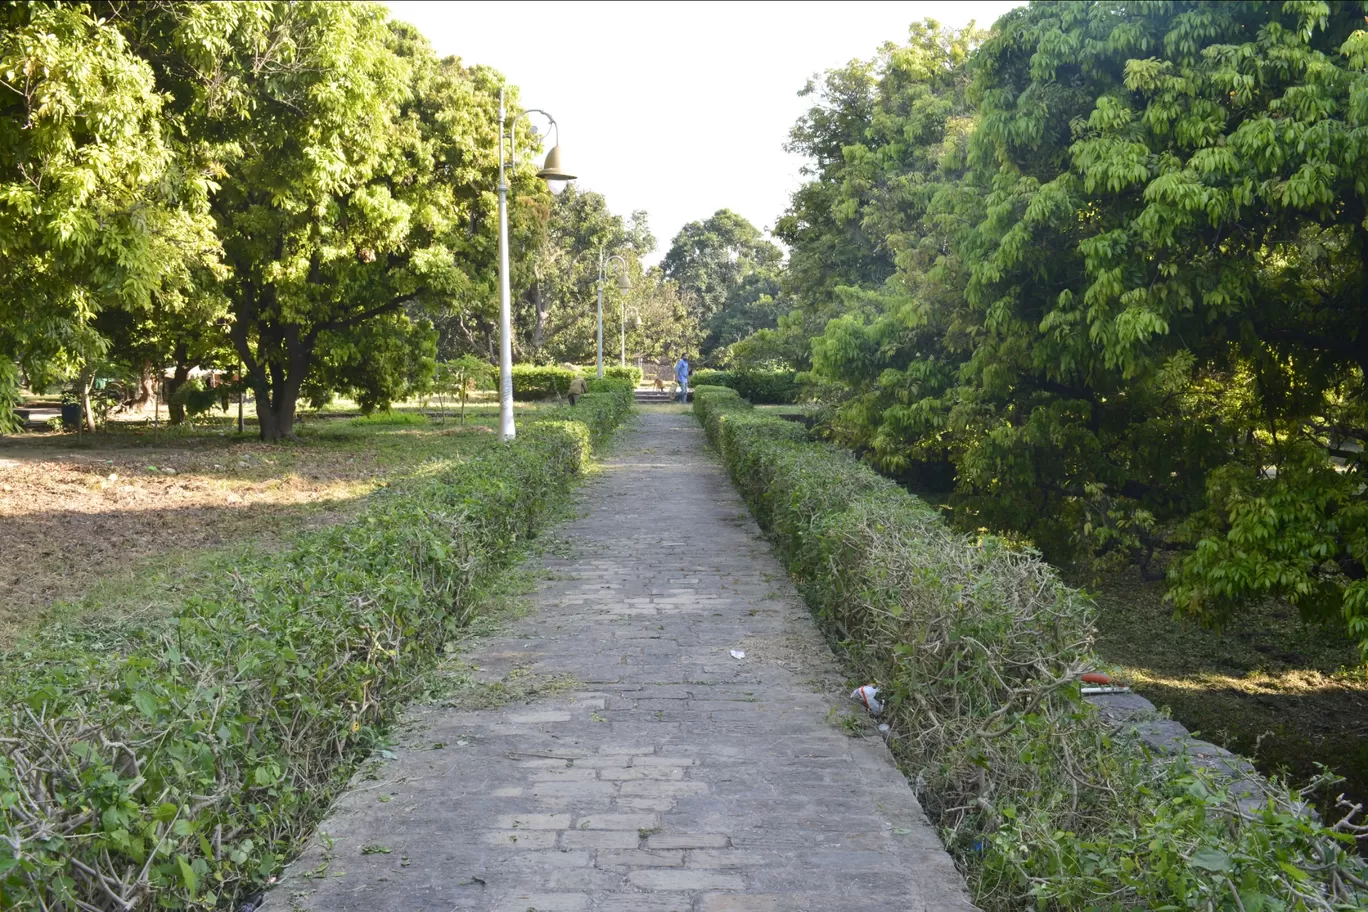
(298, 187)
(728, 273)
(94, 211)
(554, 315)
(558, 313)
(355, 182)
(1105, 275)
(301, 189)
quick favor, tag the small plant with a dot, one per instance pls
(459, 378)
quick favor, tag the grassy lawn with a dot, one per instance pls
(1288, 694)
(123, 520)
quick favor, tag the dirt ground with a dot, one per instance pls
(124, 514)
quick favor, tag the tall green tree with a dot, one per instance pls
(877, 276)
(1179, 277)
(557, 312)
(354, 179)
(724, 267)
(1131, 318)
(667, 328)
(95, 214)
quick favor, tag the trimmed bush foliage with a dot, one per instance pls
(173, 763)
(978, 648)
(532, 383)
(624, 373)
(757, 386)
(618, 386)
(709, 377)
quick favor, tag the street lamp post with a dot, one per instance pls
(623, 284)
(551, 171)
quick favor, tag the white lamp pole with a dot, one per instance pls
(623, 284)
(506, 429)
(551, 171)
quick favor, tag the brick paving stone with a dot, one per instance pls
(691, 881)
(672, 777)
(600, 839)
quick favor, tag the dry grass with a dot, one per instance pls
(120, 521)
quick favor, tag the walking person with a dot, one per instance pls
(682, 377)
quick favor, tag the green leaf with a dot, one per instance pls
(1212, 860)
(146, 703)
(1293, 871)
(187, 873)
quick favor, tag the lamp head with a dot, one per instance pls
(623, 282)
(552, 170)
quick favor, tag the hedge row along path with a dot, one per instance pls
(672, 776)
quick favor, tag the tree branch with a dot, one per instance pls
(363, 316)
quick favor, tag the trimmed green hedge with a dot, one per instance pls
(617, 385)
(174, 763)
(632, 374)
(759, 387)
(532, 383)
(977, 648)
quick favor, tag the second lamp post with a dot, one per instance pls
(551, 171)
(623, 284)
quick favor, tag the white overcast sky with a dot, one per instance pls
(680, 109)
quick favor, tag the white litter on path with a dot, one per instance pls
(738, 653)
(868, 697)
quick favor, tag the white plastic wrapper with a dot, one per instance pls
(868, 696)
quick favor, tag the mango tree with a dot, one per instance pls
(353, 179)
(94, 213)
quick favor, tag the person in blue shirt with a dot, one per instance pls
(682, 376)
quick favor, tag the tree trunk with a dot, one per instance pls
(538, 331)
(145, 390)
(276, 421)
(175, 411)
(277, 386)
(87, 413)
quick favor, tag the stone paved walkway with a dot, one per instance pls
(671, 776)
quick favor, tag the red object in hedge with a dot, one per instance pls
(1096, 677)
